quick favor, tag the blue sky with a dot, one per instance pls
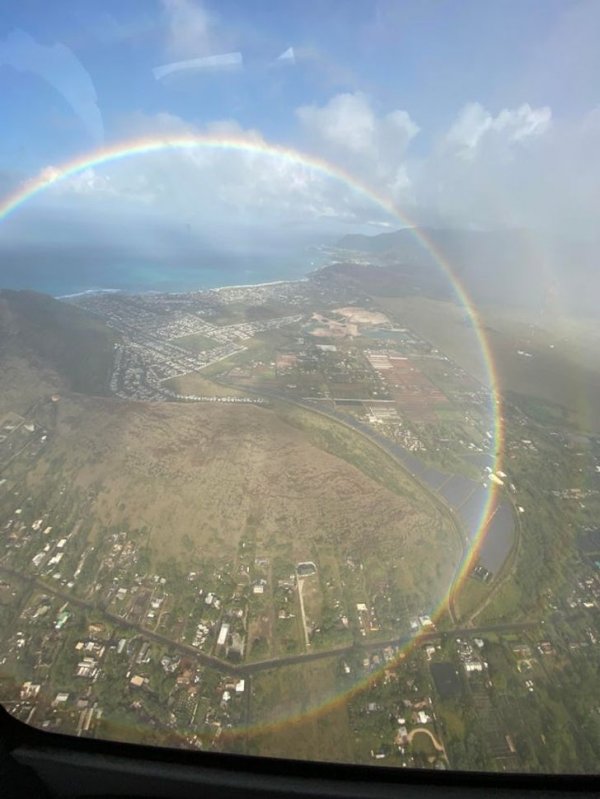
(427, 57)
(472, 113)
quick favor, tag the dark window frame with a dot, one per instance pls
(39, 763)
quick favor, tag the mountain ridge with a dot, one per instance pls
(507, 266)
(57, 337)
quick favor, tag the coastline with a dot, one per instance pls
(89, 292)
(258, 285)
(84, 293)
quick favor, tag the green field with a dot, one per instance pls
(196, 342)
(290, 716)
(197, 384)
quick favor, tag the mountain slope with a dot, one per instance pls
(509, 267)
(48, 336)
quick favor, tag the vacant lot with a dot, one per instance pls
(286, 720)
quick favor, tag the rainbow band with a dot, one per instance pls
(123, 150)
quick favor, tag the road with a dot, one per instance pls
(302, 613)
(247, 669)
(251, 668)
(389, 448)
(403, 641)
(436, 744)
(85, 604)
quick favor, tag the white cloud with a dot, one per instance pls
(349, 122)
(371, 145)
(521, 167)
(346, 121)
(523, 122)
(515, 167)
(191, 29)
(470, 126)
(227, 197)
(475, 123)
(486, 169)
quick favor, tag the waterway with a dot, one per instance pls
(465, 496)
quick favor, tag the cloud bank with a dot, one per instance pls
(515, 167)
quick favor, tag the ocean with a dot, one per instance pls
(68, 275)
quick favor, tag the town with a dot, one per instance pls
(102, 638)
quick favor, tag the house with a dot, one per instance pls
(401, 736)
(87, 668)
(29, 690)
(62, 619)
(223, 633)
(237, 646)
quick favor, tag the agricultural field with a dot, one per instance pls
(547, 363)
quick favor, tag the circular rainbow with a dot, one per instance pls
(142, 146)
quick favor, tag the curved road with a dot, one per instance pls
(436, 744)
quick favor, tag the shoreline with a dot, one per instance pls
(259, 285)
(89, 292)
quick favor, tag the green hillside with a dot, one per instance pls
(58, 336)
